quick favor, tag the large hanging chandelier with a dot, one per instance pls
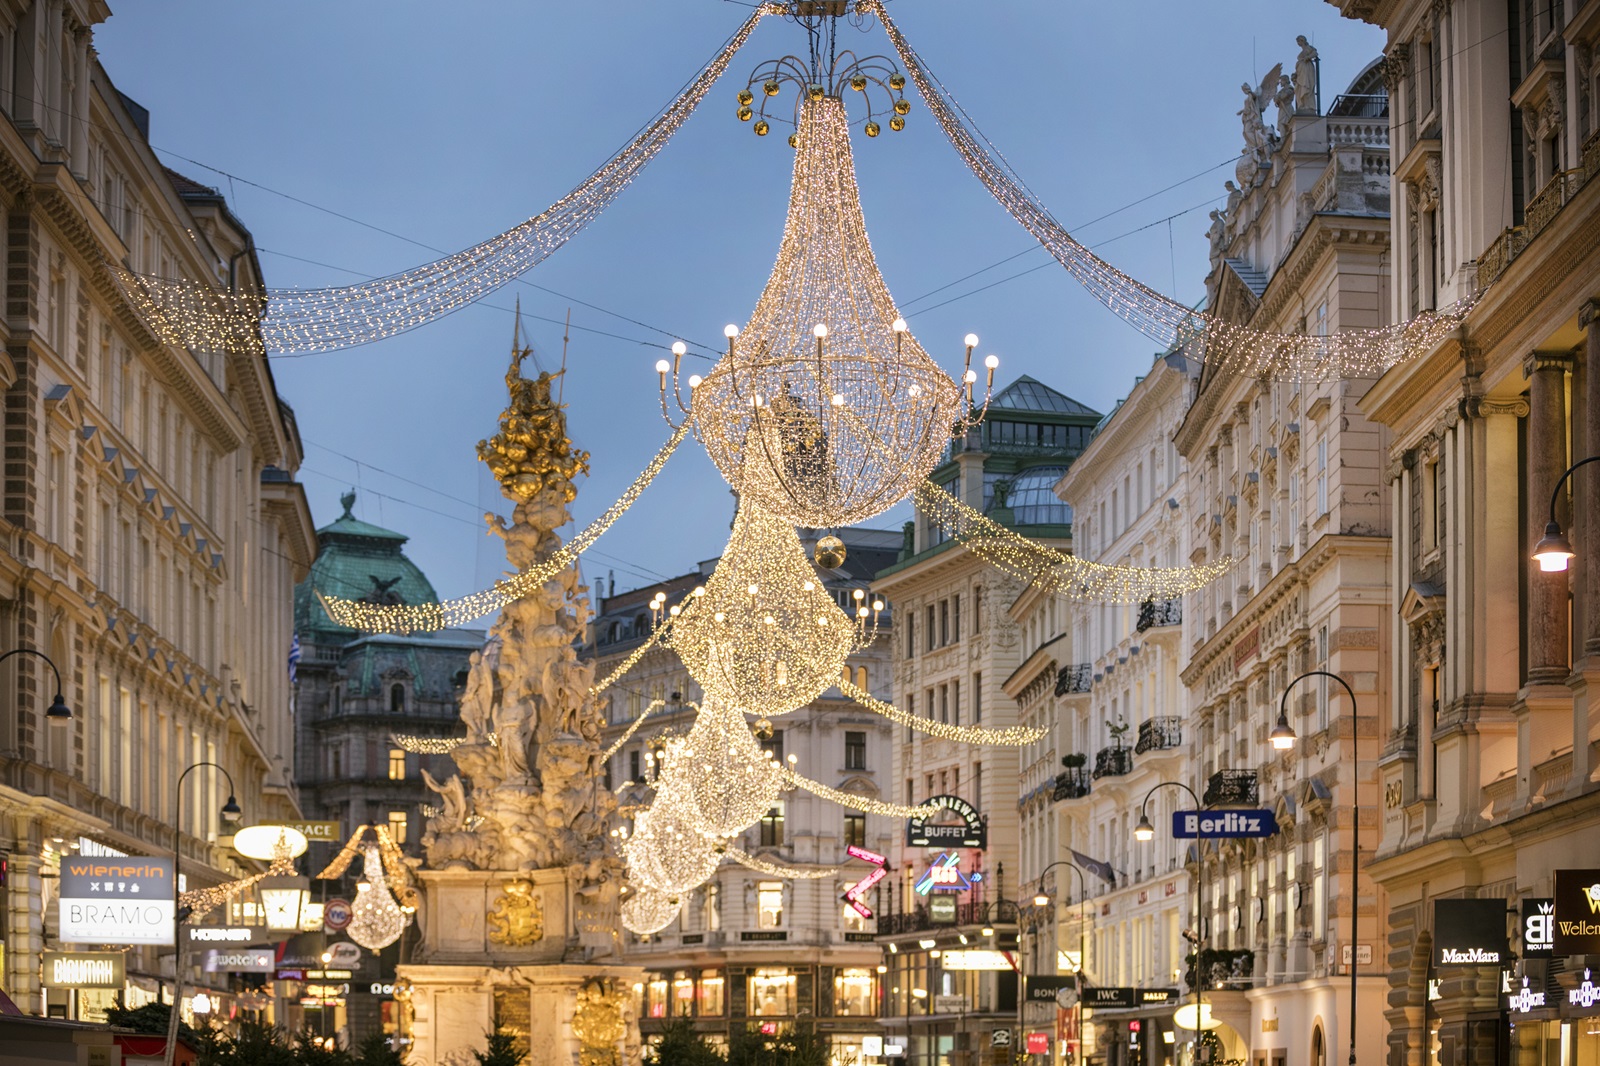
(719, 777)
(665, 852)
(825, 410)
(763, 634)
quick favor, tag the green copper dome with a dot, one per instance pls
(361, 561)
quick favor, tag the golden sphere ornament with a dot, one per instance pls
(897, 123)
(873, 129)
(745, 114)
(816, 92)
(902, 106)
(858, 82)
(771, 88)
(794, 140)
(745, 96)
(761, 128)
(897, 81)
(829, 553)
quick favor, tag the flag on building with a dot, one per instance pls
(294, 658)
(1100, 869)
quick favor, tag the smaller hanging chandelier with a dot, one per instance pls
(376, 920)
(720, 778)
(646, 911)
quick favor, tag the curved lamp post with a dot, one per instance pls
(1554, 550)
(1145, 832)
(230, 813)
(59, 713)
(1042, 899)
(1355, 783)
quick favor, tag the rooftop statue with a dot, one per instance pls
(1258, 136)
(1307, 85)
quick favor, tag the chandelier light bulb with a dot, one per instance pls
(971, 340)
(838, 399)
(970, 376)
(679, 348)
(730, 331)
(820, 330)
(898, 325)
(694, 381)
(662, 366)
(991, 361)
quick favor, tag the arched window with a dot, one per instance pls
(861, 678)
(1319, 1051)
(397, 699)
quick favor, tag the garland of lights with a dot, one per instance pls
(202, 901)
(647, 911)
(430, 617)
(394, 862)
(666, 853)
(627, 734)
(197, 316)
(1010, 736)
(763, 634)
(825, 410)
(630, 662)
(778, 869)
(855, 802)
(1066, 575)
(1228, 347)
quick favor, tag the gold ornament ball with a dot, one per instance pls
(764, 728)
(897, 123)
(745, 96)
(761, 128)
(897, 81)
(771, 88)
(794, 140)
(902, 106)
(873, 129)
(859, 82)
(830, 553)
(744, 114)
(816, 91)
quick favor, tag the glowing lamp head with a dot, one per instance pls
(1554, 550)
(970, 376)
(231, 812)
(662, 366)
(838, 399)
(730, 331)
(898, 325)
(991, 361)
(1144, 831)
(1282, 735)
(988, 930)
(694, 381)
(59, 713)
(820, 330)
(971, 340)
(1041, 900)
(679, 348)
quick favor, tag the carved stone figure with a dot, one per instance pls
(517, 919)
(1218, 236)
(1258, 137)
(1285, 101)
(1307, 88)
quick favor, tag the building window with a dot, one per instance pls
(656, 996)
(932, 632)
(772, 827)
(977, 609)
(861, 678)
(769, 905)
(397, 699)
(944, 703)
(682, 994)
(772, 993)
(955, 617)
(633, 766)
(955, 702)
(944, 622)
(397, 764)
(397, 827)
(852, 993)
(855, 830)
(911, 634)
(712, 993)
(1322, 477)
(1322, 682)
(977, 698)
(850, 919)
(855, 751)
(336, 762)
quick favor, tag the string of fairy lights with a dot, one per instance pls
(202, 901)
(1006, 736)
(430, 617)
(1232, 348)
(778, 869)
(1065, 575)
(199, 316)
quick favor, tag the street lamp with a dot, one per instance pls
(1042, 899)
(1145, 832)
(1554, 550)
(59, 713)
(230, 813)
(1355, 793)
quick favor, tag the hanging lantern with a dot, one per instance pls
(826, 411)
(376, 920)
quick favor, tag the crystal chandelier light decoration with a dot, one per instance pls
(825, 410)
(376, 920)
(665, 852)
(763, 635)
(645, 911)
(723, 780)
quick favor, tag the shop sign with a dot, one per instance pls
(1156, 996)
(893, 1051)
(223, 934)
(764, 934)
(849, 938)
(1223, 825)
(1587, 994)
(1111, 998)
(109, 900)
(336, 915)
(942, 910)
(379, 988)
(240, 960)
(949, 1004)
(1038, 1043)
(1577, 913)
(864, 855)
(315, 832)
(344, 955)
(1469, 932)
(971, 833)
(1042, 988)
(84, 969)
(872, 1046)
(1538, 928)
(944, 875)
(1000, 1038)
(1525, 1000)
(975, 959)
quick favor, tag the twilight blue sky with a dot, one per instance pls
(445, 124)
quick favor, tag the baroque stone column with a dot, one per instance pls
(1548, 642)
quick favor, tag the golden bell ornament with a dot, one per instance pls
(761, 128)
(897, 123)
(897, 81)
(771, 88)
(859, 82)
(830, 553)
(902, 106)
(745, 96)
(873, 129)
(744, 114)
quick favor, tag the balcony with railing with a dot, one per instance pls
(1227, 787)
(1538, 214)
(1159, 734)
(1154, 613)
(1071, 783)
(1074, 679)
(1113, 762)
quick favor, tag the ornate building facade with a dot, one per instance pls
(153, 529)
(749, 949)
(957, 642)
(1489, 762)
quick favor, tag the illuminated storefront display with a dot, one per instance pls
(853, 993)
(772, 993)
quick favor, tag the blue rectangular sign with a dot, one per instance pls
(1219, 825)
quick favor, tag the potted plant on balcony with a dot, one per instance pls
(1118, 730)
(1076, 761)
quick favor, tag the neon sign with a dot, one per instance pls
(945, 875)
